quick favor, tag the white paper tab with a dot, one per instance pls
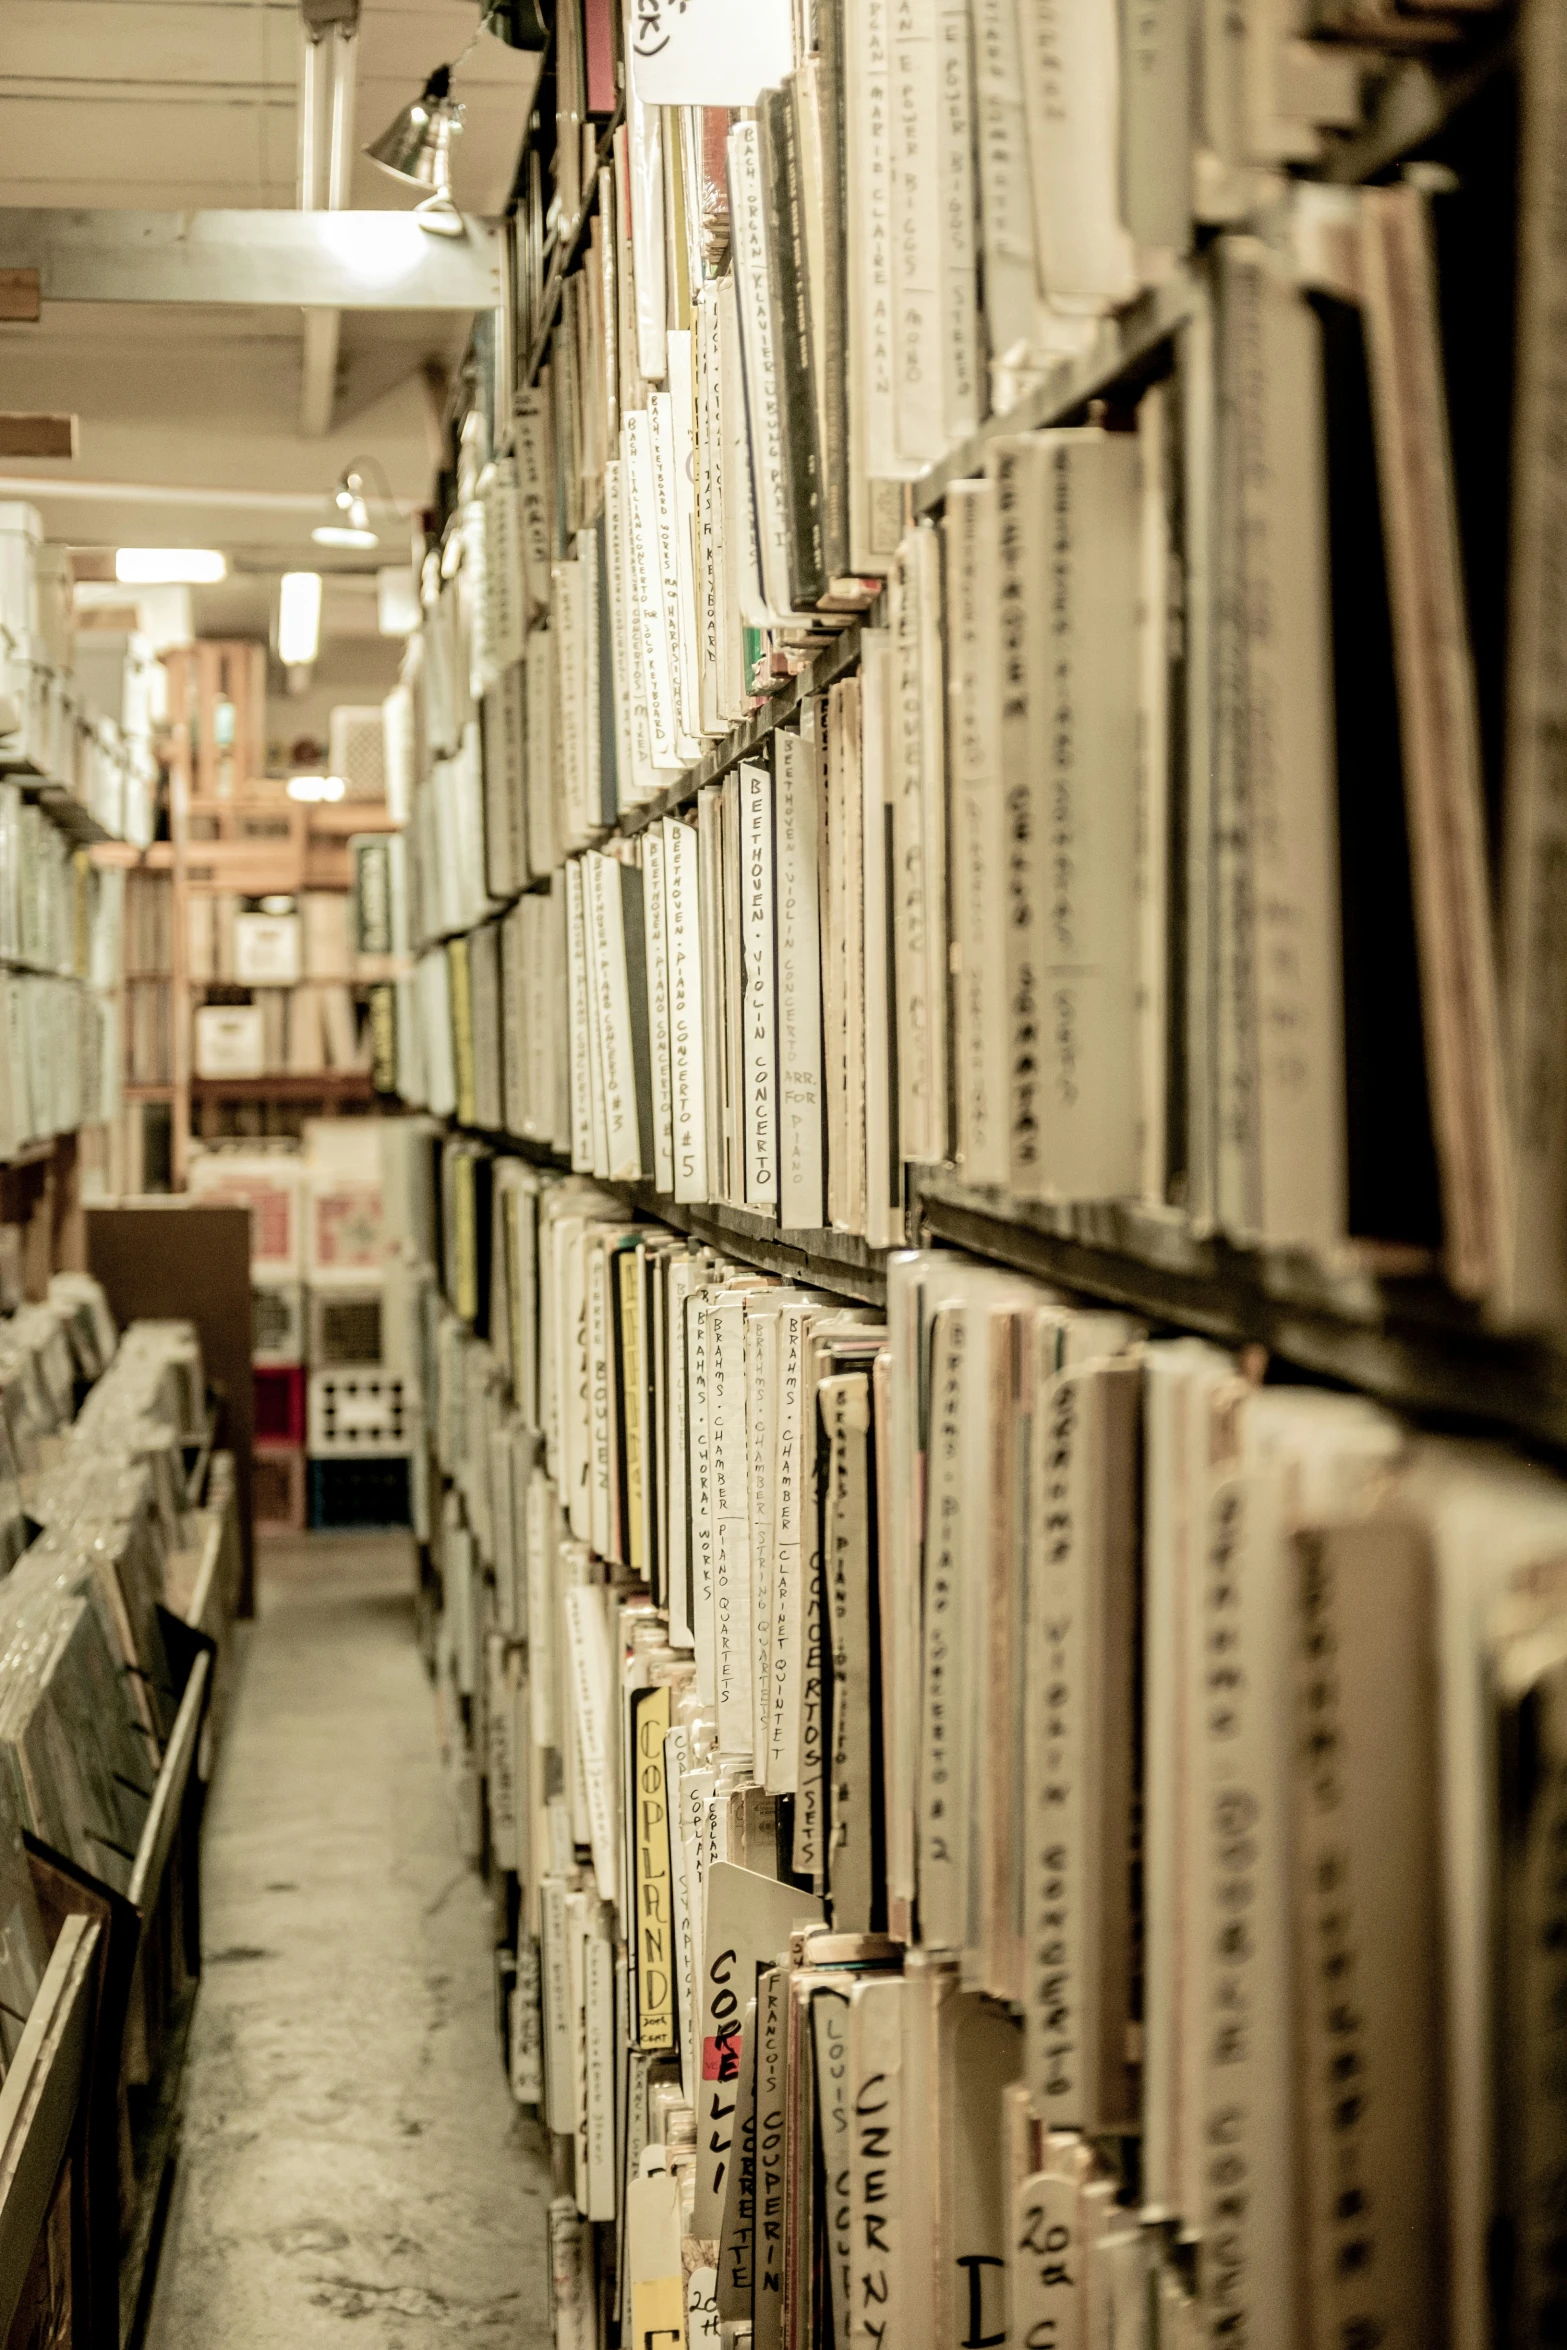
(709, 52)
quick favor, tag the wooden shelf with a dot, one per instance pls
(1126, 344)
(825, 1259)
(1416, 99)
(288, 1085)
(340, 819)
(153, 2141)
(1381, 1320)
(40, 2102)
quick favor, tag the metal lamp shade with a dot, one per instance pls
(521, 24)
(417, 146)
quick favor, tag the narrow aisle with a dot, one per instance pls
(350, 2151)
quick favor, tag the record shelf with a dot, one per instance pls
(1391, 1329)
(948, 1580)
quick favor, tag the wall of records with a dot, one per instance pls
(77, 767)
(981, 917)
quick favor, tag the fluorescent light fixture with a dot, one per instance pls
(299, 619)
(170, 566)
(316, 787)
(335, 534)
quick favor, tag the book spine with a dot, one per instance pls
(1439, 723)
(877, 2155)
(655, 902)
(781, 1748)
(733, 1648)
(770, 454)
(1366, 1936)
(760, 1011)
(943, 1775)
(798, 790)
(1247, 2104)
(917, 229)
(973, 706)
(686, 1039)
(708, 518)
(962, 396)
(1535, 804)
(666, 517)
(1071, 72)
(1284, 938)
(1086, 805)
(783, 205)
(818, 134)
(634, 954)
(1020, 562)
(912, 941)
(650, 636)
(699, 1478)
(682, 415)
(882, 1166)
(875, 467)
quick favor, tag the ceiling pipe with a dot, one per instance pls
(154, 493)
(326, 149)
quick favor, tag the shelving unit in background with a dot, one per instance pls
(234, 833)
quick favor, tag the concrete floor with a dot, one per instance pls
(353, 2171)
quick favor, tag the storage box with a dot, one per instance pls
(371, 1492)
(267, 950)
(280, 1403)
(356, 1412)
(346, 1324)
(345, 1234)
(229, 1041)
(273, 1190)
(277, 1488)
(277, 1321)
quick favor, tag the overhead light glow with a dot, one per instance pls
(335, 534)
(299, 619)
(170, 566)
(316, 787)
(349, 499)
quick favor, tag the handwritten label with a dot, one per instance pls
(654, 1892)
(708, 52)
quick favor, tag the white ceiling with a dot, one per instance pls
(180, 104)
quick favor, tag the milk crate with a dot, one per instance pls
(277, 1322)
(346, 1324)
(271, 1186)
(372, 1492)
(280, 1403)
(277, 1488)
(358, 1412)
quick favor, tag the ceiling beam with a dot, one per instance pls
(21, 296)
(306, 260)
(37, 436)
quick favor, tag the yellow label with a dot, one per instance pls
(655, 1907)
(658, 2314)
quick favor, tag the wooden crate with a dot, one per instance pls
(277, 1484)
(204, 678)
